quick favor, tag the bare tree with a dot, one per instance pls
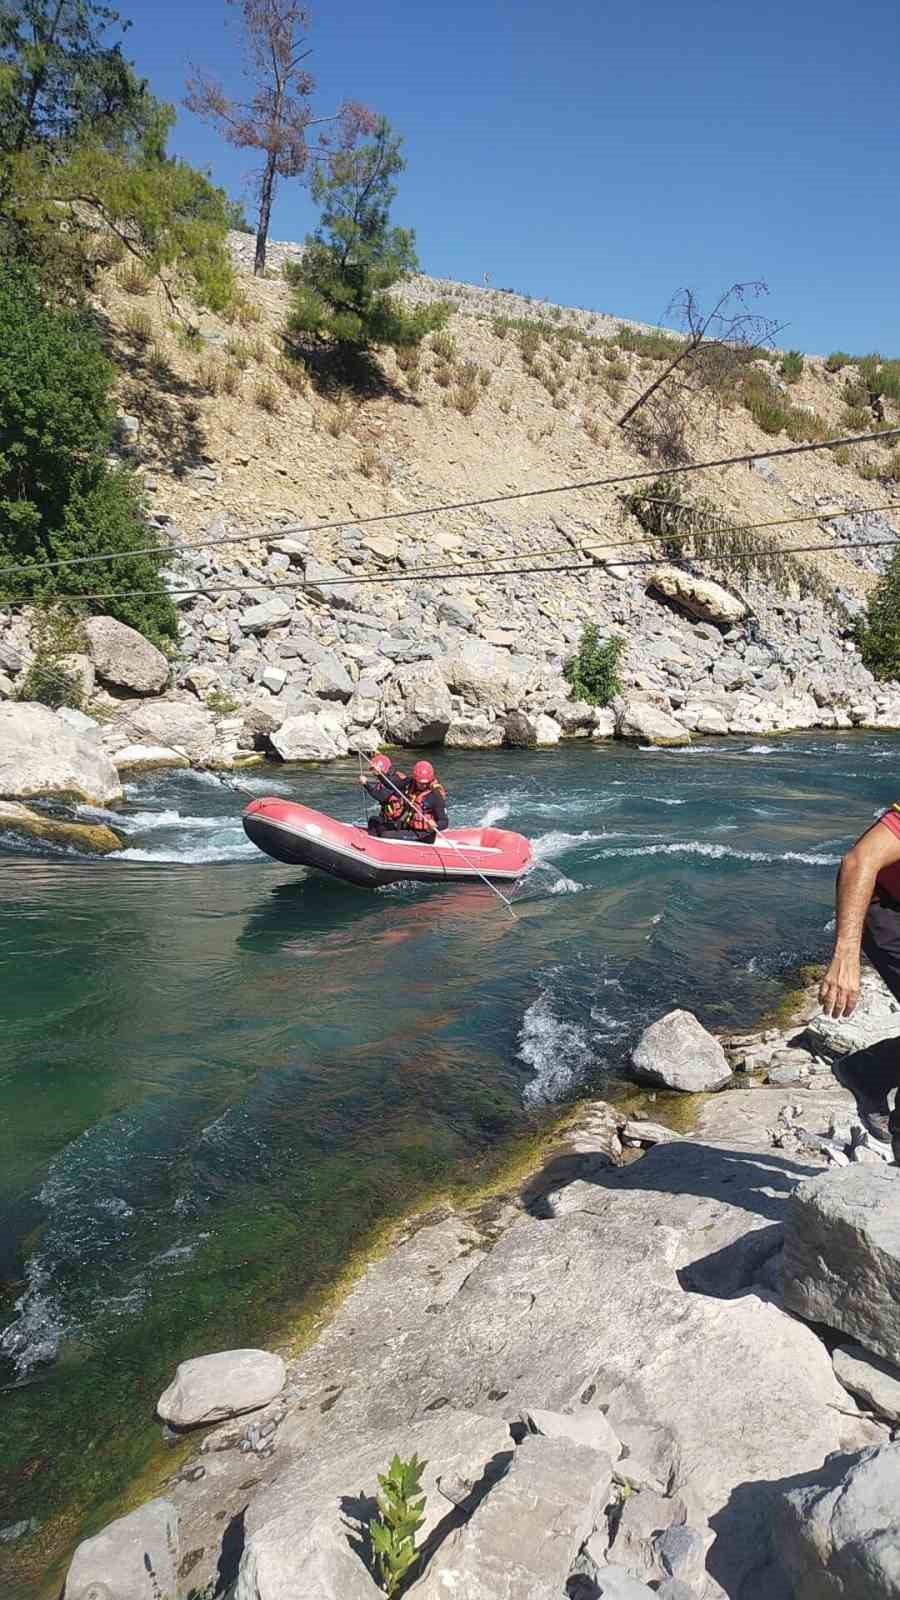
(278, 115)
(714, 346)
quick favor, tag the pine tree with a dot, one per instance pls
(355, 257)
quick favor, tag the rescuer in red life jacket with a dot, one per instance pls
(385, 784)
(426, 814)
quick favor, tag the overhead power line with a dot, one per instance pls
(453, 572)
(459, 505)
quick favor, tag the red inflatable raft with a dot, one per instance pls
(305, 838)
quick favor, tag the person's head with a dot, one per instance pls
(423, 774)
(381, 764)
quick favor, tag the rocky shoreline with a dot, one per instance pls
(667, 1363)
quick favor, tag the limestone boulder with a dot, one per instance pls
(875, 1383)
(642, 723)
(309, 737)
(210, 1388)
(836, 1533)
(133, 758)
(330, 680)
(531, 730)
(41, 756)
(699, 598)
(135, 1558)
(474, 730)
(679, 1053)
(330, 585)
(268, 614)
(485, 675)
(521, 1541)
(418, 710)
(82, 672)
(123, 658)
(842, 1255)
(181, 726)
(581, 1427)
(89, 838)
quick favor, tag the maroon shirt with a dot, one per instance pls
(889, 877)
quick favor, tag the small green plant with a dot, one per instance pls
(57, 631)
(139, 327)
(400, 1516)
(837, 359)
(238, 352)
(444, 345)
(209, 375)
(791, 366)
(266, 396)
(594, 673)
(878, 635)
(655, 346)
(190, 339)
(133, 279)
(221, 704)
(293, 374)
(857, 418)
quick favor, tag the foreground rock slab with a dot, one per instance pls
(521, 1541)
(41, 756)
(874, 1382)
(90, 838)
(642, 723)
(678, 1052)
(135, 1558)
(123, 658)
(842, 1255)
(227, 1384)
(837, 1533)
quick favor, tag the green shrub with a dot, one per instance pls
(57, 631)
(59, 498)
(656, 346)
(444, 345)
(594, 672)
(400, 1516)
(791, 366)
(51, 684)
(773, 414)
(857, 418)
(837, 360)
(878, 636)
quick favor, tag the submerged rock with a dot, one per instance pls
(211, 1388)
(41, 756)
(93, 838)
(678, 1052)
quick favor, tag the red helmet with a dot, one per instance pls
(423, 772)
(381, 763)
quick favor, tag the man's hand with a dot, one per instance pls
(839, 989)
(364, 778)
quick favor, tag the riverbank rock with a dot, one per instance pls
(836, 1533)
(135, 1558)
(874, 1382)
(180, 726)
(41, 756)
(642, 723)
(699, 598)
(309, 737)
(842, 1255)
(419, 709)
(123, 658)
(678, 1052)
(211, 1388)
(521, 1541)
(89, 838)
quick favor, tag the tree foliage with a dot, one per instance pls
(594, 672)
(59, 498)
(342, 283)
(878, 636)
(83, 159)
(278, 115)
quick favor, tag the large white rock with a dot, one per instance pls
(135, 1558)
(474, 730)
(211, 1388)
(582, 1427)
(678, 1052)
(268, 614)
(486, 676)
(643, 723)
(330, 680)
(842, 1255)
(124, 658)
(531, 729)
(309, 737)
(837, 1537)
(147, 758)
(699, 598)
(181, 726)
(419, 709)
(521, 1541)
(41, 755)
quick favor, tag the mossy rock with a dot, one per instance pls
(90, 838)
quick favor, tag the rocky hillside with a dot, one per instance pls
(294, 644)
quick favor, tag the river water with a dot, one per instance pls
(218, 1074)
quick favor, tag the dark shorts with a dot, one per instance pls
(872, 1074)
(881, 940)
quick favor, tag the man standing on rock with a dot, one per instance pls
(868, 921)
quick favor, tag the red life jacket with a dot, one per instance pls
(394, 809)
(416, 818)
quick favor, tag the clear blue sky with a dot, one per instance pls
(606, 154)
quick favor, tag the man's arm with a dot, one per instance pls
(437, 810)
(880, 847)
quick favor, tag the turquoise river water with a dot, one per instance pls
(218, 1075)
